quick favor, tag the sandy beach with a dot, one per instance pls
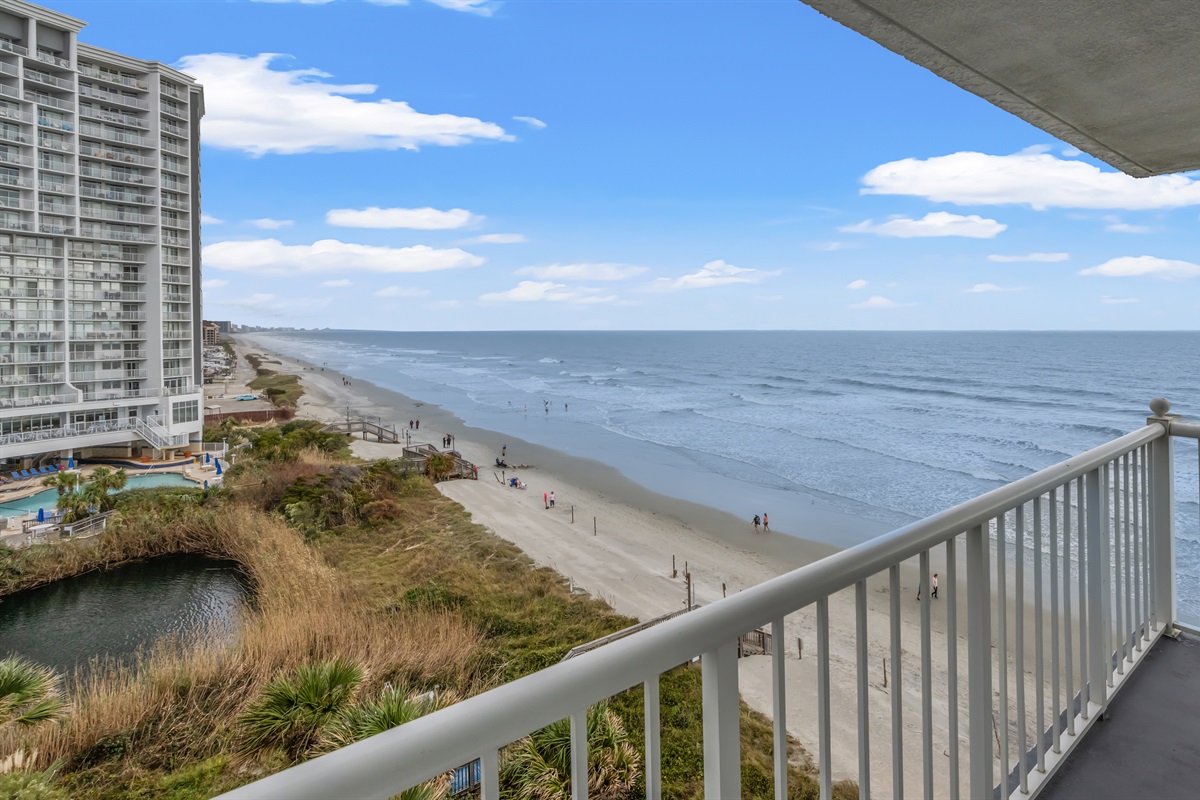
(616, 540)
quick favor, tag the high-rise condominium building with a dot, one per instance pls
(99, 246)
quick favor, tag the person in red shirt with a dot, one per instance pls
(766, 524)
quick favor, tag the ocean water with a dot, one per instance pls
(889, 427)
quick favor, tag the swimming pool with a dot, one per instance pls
(48, 498)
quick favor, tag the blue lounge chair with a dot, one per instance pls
(44, 471)
(52, 468)
(20, 475)
(15, 476)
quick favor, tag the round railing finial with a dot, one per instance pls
(1160, 406)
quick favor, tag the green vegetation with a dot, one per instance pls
(377, 600)
(29, 694)
(82, 498)
(283, 390)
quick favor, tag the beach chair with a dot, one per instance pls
(52, 468)
(20, 475)
(45, 471)
(15, 476)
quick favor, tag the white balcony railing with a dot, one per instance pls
(9, 47)
(92, 151)
(109, 77)
(16, 159)
(116, 195)
(46, 79)
(50, 102)
(91, 112)
(1097, 530)
(61, 145)
(95, 171)
(111, 97)
(50, 58)
(14, 135)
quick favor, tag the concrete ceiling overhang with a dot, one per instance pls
(1118, 79)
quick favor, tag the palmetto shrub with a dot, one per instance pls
(29, 693)
(292, 708)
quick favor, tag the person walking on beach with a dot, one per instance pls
(503, 450)
(546, 498)
(756, 523)
(410, 424)
(766, 525)
(933, 594)
(552, 499)
(418, 424)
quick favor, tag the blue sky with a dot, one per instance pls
(475, 165)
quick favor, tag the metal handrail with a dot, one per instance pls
(424, 748)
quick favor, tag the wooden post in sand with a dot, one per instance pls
(572, 515)
(800, 647)
(723, 589)
(674, 572)
(593, 526)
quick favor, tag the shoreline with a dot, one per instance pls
(627, 562)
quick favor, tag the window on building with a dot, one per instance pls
(188, 411)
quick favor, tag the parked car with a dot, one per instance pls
(247, 397)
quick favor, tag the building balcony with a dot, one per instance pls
(61, 166)
(15, 136)
(178, 169)
(50, 102)
(1074, 563)
(115, 195)
(31, 358)
(39, 294)
(90, 112)
(23, 249)
(9, 70)
(46, 79)
(118, 236)
(177, 261)
(178, 372)
(56, 208)
(59, 145)
(83, 376)
(10, 115)
(178, 113)
(9, 91)
(18, 181)
(176, 335)
(95, 131)
(115, 98)
(173, 184)
(15, 225)
(58, 187)
(174, 241)
(15, 159)
(93, 171)
(91, 151)
(173, 130)
(53, 60)
(118, 216)
(174, 149)
(9, 47)
(108, 336)
(169, 201)
(122, 297)
(58, 125)
(20, 204)
(119, 316)
(108, 77)
(31, 313)
(175, 391)
(27, 380)
(56, 230)
(174, 94)
(32, 336)
(179, 352)
(177, 316)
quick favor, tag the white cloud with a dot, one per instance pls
(1039, 180)
(483, 8)
(532, 122)
(1126, 228)
(935, 223)
(213, 283)
(1112, 301)
(858, 284)
(546, 291)
(1136, 266)
(1047, 258)
(422, 219)
(877, 301)
(272, 257)
(209, 219)
(259, 110)
(271, 224)
(1071, 152)
(583, 272)
(714, 273)
(496, 238)
(830, 247)
(270, 305)
(401, 291)
(982, 288)
(336, 284)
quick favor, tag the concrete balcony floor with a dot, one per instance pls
(1150, 745)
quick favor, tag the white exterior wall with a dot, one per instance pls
(99, 267)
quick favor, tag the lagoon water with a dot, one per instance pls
(889, 427)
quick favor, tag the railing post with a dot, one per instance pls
(1099, 613)
(979, 661)
(722, 732)
(1162, 519)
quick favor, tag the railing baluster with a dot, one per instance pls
(1162, 530)
(1068, 622)
(1147, 544)
(1038, 647)
(1084, 549)
(979, 661)
(1002, 644)
(1019, 633)
(722, 734)
(1139, 555)
(579, 755)
(1055, 672)
(779, 704)
(926, 679)
(864, 708)
(1098, 566)
(653, 768)
(824, 735)
(1127, 592)
(896, 690)
(489, 775)
(952, 659)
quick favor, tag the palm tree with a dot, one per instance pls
(292, 709)
(101, 486)
(440, 466)
(29, 693)
(539, 766)
(64, 482)
(75, 506)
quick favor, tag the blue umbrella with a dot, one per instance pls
(71, 462)
(207, 457)
(205, 484)
(41, 515)
(217, 461)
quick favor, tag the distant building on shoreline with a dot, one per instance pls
(99, 246)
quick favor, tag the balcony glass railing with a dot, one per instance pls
(110, 77)
(19, 203)
(50, 102)
(9, 91)
(119, 236)
(167, 147)
(13, 135)
(12, 114)
(60, 187)
(10, 47)
(50, 58)
(61, 145)
(43, 294)
(90, 112)
(91, 151)
(57, 208)
(31, 336)
(56, 230)
(174, 111)
(15, 159)
(15, 224)
(116, 195)
(49, 357)
(93, 171)
(95, 131)
(56, 165)
(24, 249)
(124, 297)
(117, 216)
(56, 124)
(46, 79)
(31, 313)
(112, 97)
